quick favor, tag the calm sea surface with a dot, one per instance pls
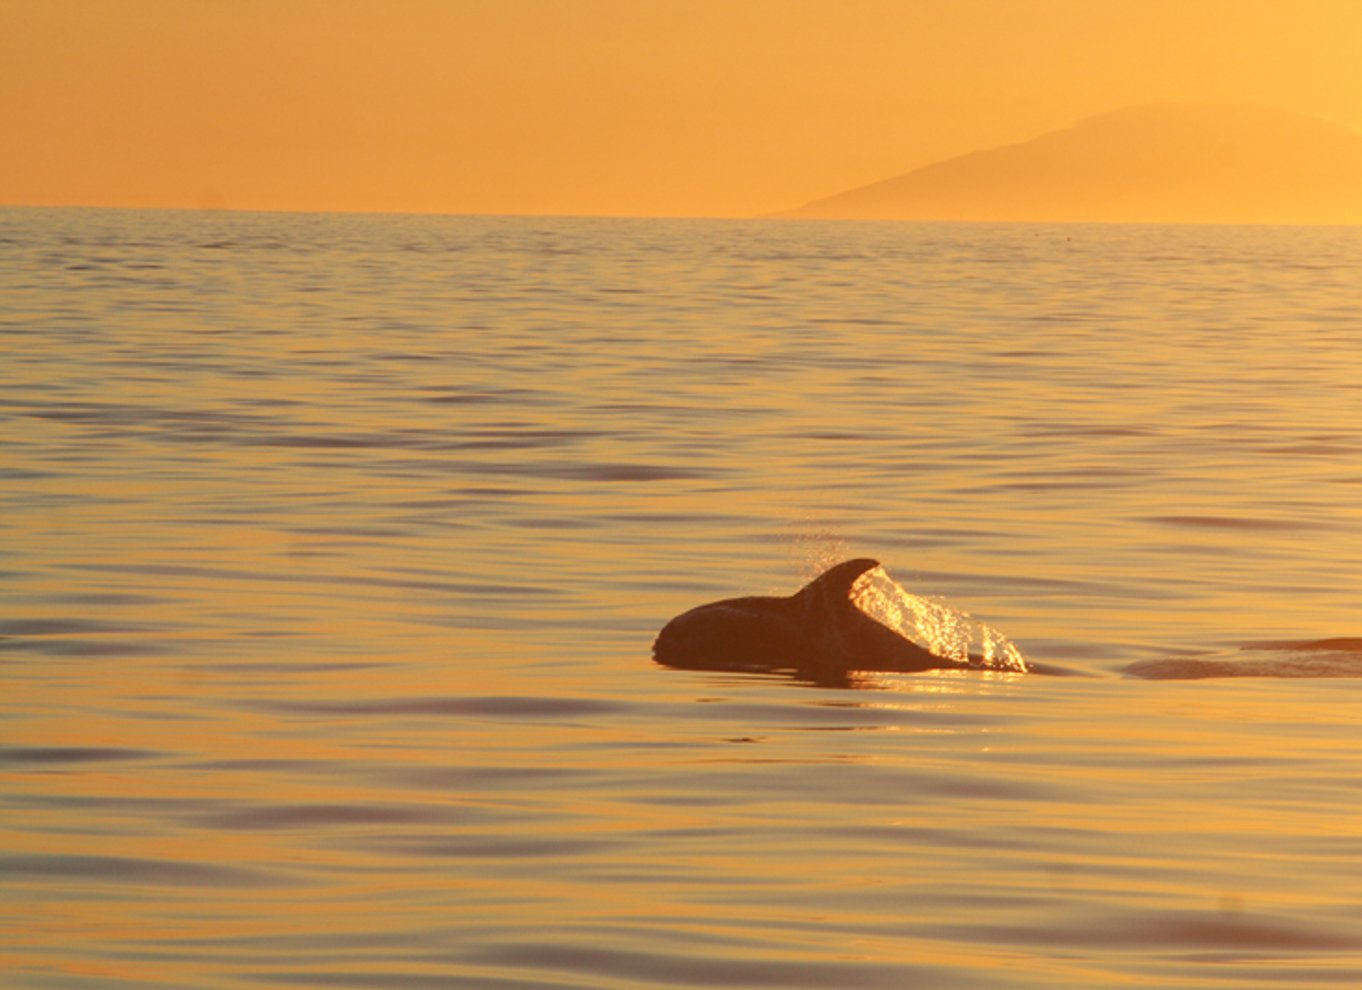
(332, 549)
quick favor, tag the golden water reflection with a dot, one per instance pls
(332, 552)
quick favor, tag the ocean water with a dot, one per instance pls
(332, 549)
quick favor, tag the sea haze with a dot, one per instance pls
(332, 549)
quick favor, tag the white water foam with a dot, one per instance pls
(945, 631)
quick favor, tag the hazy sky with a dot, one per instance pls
(662, 107)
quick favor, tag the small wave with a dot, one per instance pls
(129, 870)
(1313, 450)
(460, 706)
(294, 816)
(1231, 522)
(61, 627)
(59, 647)
(46, 756)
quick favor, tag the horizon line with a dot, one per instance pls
(761, 218)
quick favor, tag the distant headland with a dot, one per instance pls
(1160, 163)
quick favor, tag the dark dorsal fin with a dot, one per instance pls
(834, 584)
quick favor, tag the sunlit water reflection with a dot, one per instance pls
(331, 550)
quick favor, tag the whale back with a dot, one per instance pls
(818, 631)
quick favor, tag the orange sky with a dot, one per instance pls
(655, 107)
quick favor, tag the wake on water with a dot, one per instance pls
(957, 635)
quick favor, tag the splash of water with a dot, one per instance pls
(943, 630)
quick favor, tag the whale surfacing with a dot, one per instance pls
(818, 633)
(846, 622)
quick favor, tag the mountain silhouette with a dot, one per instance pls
(1162, 163)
